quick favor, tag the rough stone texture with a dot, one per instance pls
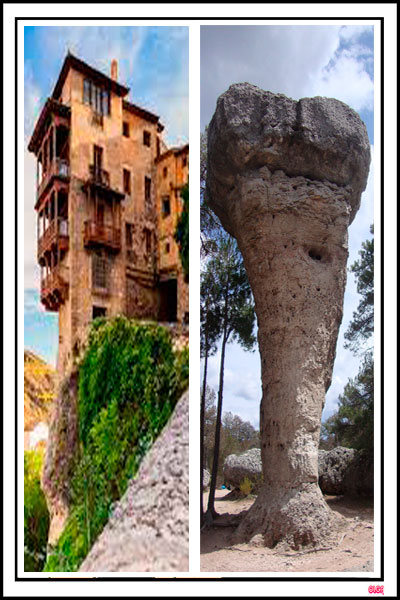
(239, 466)
(206, 479)
(149, 528)
(341, 471)
(285, 178)
(60, 455)
(332, 467)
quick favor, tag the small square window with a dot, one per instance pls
(99, 311)
(125, 129)
(166, 206)
(146, 138)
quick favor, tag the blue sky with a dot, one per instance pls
(299, 61)
(152, 61)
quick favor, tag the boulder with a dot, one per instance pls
(345, 471)
(341, 471)
(239, 466)
(206, 479)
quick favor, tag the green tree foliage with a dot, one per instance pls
(129, 382)
(353, 423)
(362, 326)
(36, 515)
(182, 231)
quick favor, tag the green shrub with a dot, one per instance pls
(129, 382)
(246, 487)
(36, 515)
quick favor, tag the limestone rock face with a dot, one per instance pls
(285, 178)
(61, 451)
(345, 471)
(239, 466)
(149, 527)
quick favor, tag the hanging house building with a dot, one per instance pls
(108, 196)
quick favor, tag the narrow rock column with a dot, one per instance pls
(286, 178)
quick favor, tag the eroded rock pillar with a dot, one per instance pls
(286, 178)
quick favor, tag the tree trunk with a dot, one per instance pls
(202, 419)
(211, 513)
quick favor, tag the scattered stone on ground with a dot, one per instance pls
(149, 528)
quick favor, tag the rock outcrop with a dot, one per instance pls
(345, 471)
(39, 390)
(206, 479)
(285, 178)
(341, 471)
(61, 453)
(238, 467)
(149, 528)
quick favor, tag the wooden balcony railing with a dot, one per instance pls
(57, 168)
(53, 289)
(56, 229)
(97, 234)
(99, 176)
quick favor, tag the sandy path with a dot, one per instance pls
(355, 552)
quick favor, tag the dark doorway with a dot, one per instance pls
(168, 301)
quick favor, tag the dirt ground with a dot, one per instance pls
(353, 553)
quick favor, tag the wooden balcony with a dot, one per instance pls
(53, 290)
(56, 232)
(58, 168)
(99, 177)
(97, 234)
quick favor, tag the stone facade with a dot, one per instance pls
(100, 184)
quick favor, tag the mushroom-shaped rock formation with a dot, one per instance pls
(285, 178)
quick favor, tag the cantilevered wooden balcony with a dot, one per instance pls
(58, 168)
(98, 234)
(53, 290)
(56, 234)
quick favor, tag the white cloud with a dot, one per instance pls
(298, 61)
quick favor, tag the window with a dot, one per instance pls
(98, 311)
(87, 91)
(97, 158)
(167, 248)
(129, 235)
(184, 161)
(147, 190)
(147, 234)
(127, 181)
(125, 129)
(96, 97)
(166, 206)
(100, 271)
(146, 138)
(165, 172)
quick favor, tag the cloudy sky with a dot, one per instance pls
(152, 61)
(299, 61)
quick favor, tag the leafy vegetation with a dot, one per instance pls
(36, 515)
(182, 231)
(129, 382)
(352, 425)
